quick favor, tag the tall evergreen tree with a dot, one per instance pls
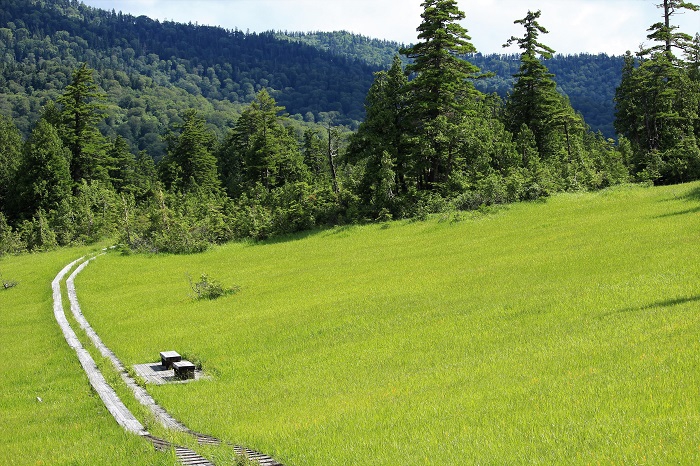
(441, 91)
(259, 149)
(381, 140)
(315, 150)
(44, 175)
(189, 164)
(658, 104)
(82, 108)
(534, 101)
(666, 34)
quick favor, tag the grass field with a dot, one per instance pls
(70, 425)
(563, 332)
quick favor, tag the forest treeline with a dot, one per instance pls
(152, 70)
(126, 149)
(589, 81)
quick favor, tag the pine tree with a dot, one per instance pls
(44, 176)
(441, 92)
(189, 164)
(259, 149)
(658, 104)
(121, 165)
(666, 34)
(82, 108)
(534, 101)
(315, 148)
(383, 134)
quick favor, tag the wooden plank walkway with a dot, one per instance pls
(115, 406)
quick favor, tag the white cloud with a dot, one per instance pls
(593, 26)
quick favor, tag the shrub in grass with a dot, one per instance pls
(209, 288)
(6, 285)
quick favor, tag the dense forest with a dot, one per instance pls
(142, 63)
(172, 137)
(589, 81)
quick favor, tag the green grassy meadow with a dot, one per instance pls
(560, 332)
(70, 425)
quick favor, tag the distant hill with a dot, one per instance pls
(588, 80)
(153, 70)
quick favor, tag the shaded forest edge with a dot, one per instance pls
(100, 136)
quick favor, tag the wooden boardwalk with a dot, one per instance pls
(114, 405)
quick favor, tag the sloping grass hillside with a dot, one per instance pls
(563, 332)
(49, 414)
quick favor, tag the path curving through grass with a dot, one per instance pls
(109, 397)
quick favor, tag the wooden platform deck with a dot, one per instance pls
(154, 373)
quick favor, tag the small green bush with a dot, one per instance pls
(6, 285)
(208, 288)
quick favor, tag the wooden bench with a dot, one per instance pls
(167, 358)
(183, 370)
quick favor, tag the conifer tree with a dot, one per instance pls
(666, 34)
(259, 149)
(534, 101)
(44, 176)
(658, 104)
(315, 148)
(381, 139)
(441, 92)
(82, 108)
(189, 164)
(121, 165)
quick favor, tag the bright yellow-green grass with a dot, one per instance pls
(70, 425)
(561, 332)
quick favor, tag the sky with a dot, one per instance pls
(575, 26)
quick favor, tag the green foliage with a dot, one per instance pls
(665, 34)
(10, 158)
(381, 141)
(157, 67)
(658, 105)
(209, 288)
(430, 143)
(10, 240)
(260, 149)
(82, 106)
(37, 234)
(441, 92)
(43, 178)
(535, 101)
(179, 223)
(189, 164)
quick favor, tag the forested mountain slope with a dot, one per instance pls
(588, 80)
(153, 70)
